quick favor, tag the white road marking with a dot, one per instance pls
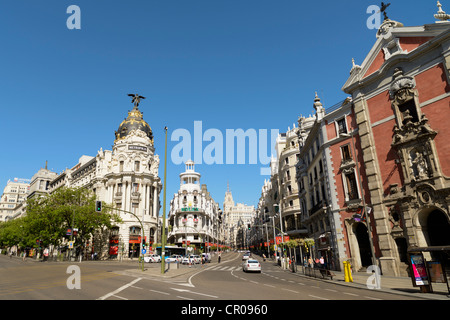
(168, 294)
(289, 290)
(372, 298)
(318, 297)
(350, 294)
(106, 296)
(189, 291)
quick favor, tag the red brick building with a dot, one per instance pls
(401, 111)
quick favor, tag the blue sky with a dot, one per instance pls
(249, 64)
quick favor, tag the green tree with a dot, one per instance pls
(48, 219)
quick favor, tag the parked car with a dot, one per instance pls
(251, 265)
(153, 258)
(174, 258)
(191, 259)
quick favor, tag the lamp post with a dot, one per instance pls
(369, 224)
(163, 238)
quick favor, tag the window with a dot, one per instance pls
(136, 166)
(135, 187)
(346, 155)
(121, 166)
(342, 127)
(135, 208)
(352, 189)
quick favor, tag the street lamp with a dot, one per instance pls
(163, 240)
(369, 225)
(281, 224)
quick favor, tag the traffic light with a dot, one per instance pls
(98, 206)
(248, 226)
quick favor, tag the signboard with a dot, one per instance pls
(189, 209)
(280, 239)
(137, 148)
(418, 266)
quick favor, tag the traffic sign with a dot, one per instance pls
(144, 251)
(71, 244)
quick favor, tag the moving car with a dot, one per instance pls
(246, 256)
(152, 258)
(251, 265)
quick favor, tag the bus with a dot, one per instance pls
(170, 250)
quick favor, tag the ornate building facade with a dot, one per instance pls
(195, 219)
(126, 179)
(401, 97)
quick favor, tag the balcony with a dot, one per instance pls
(320, 207)
(118, 196)
(135, 196)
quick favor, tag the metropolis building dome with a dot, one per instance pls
(134, 121)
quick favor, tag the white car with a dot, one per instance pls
(246, 256)
(191, 259)
(174, 258)
(152, 258)
(251, 265)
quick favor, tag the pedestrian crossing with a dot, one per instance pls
(224, 268)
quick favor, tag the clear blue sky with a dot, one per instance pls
(250, 64)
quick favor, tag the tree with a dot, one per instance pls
(48, 218)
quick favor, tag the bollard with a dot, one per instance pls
(348, 272)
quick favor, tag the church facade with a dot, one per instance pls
(401, 98)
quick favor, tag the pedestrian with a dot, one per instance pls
(322, 262)
(219, 258)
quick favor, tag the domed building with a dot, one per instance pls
(125, 178)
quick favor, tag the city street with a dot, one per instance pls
(109, 280)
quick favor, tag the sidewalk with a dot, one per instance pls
(389, 284)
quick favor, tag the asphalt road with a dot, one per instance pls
(102, 280)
